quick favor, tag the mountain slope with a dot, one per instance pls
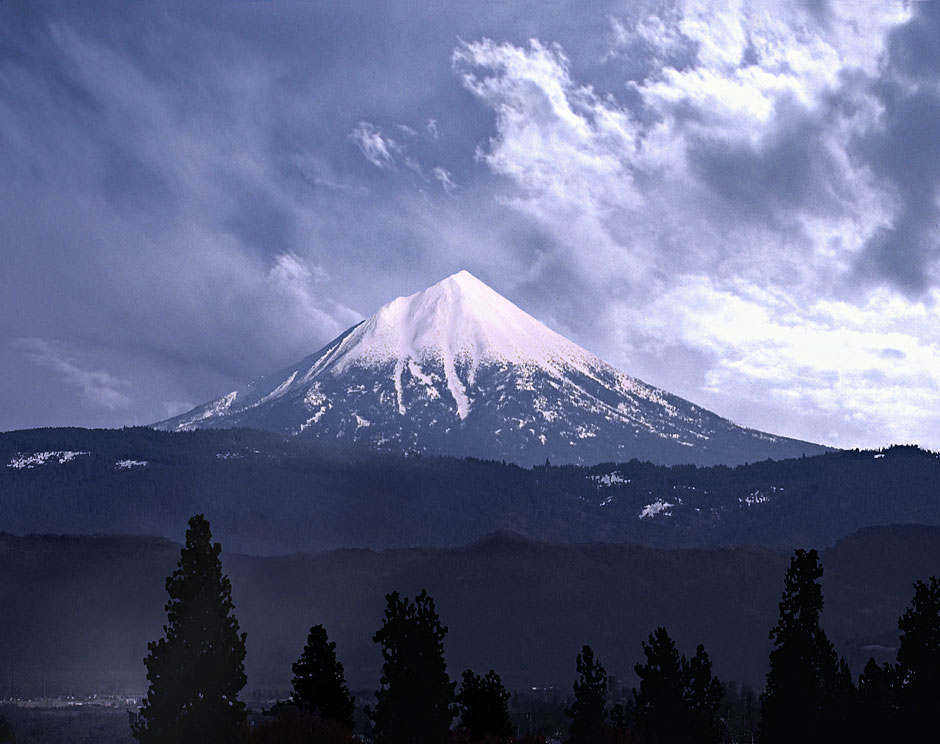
(458, 369)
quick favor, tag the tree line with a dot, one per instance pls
(321, 498)
(196, 672)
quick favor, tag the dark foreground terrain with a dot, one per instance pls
(68, 725)
(77, 612)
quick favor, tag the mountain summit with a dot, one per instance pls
(458, 369)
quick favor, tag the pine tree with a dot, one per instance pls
(678, 700)
(415, 702)
(482, 706)
(703, 696)
(588, 713)
(917, 676)
(197, 669)
(319, 683)
(658, 701)
(808, 697)
(877, 703)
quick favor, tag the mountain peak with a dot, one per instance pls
(460, 319)
(468, 286)
(459, 369)
(463, 277)
(460, 322)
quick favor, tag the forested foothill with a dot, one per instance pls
(82, 609)
(622, 576)
(273, 495)
(196, 673)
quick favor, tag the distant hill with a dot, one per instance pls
(267, 494)
(457, 369)
(85, 607)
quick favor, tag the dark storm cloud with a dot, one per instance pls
(130, 223)
(914, 48)
(904, 151)
(771, 180)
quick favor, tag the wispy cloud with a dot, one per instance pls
(447, 183)
(298, 282)
(377, 149)
(97, 387)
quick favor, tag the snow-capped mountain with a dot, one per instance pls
(458, 369)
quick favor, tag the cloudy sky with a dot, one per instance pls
(736, 201)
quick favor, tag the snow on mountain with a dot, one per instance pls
(459, 369)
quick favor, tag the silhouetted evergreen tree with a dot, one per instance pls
(678, 700)
(319, 683)
(415, 702)
(703, 695)
(659, 700)
(809, 692)
(588, 713)
(877, 703)
(917, 676)
(197, 669)
(620, 717)
(482, 704)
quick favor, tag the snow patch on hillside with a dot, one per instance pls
(30, 461)
(609, 479)
(755, 497)
(657, 508)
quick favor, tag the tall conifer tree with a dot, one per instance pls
(415, 704)
(483, 707)
(319, 682)
(877, 704)
(809, 690)
(588, 713)
(658, 701)
(678, 699)
(917, 676)
(197, 670)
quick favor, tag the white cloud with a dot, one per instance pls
(725, 209)
(295, 282)
(377, 149)
(872, 369)
(447, 183)
(723, 151)
(97, 387)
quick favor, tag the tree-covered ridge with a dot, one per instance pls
(196, 672)
(92, 604)
(270, 494)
